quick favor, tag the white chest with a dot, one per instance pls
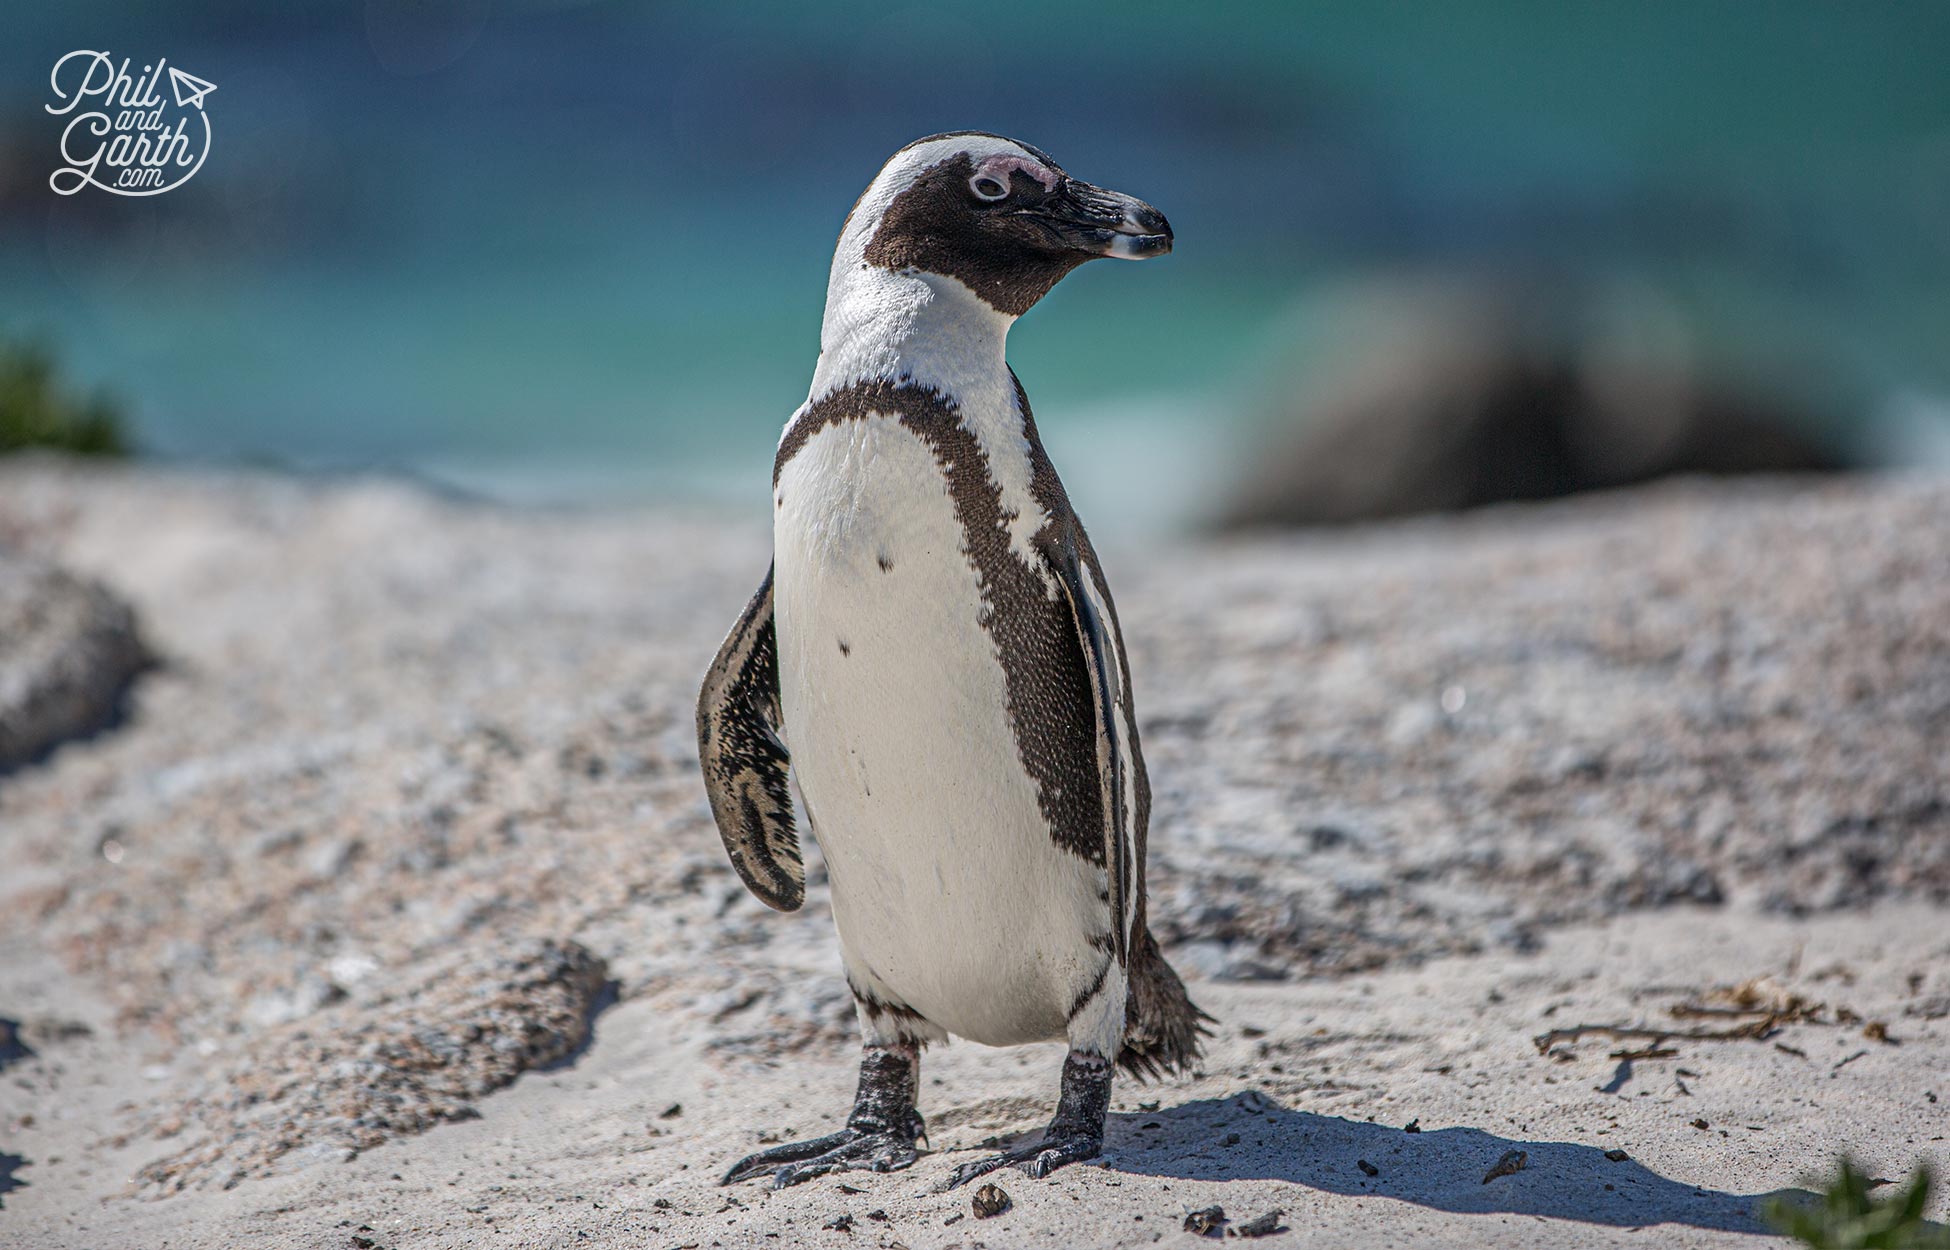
(947, 887)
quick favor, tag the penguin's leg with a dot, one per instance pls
(880, 1134)
(1096, 1033)
(1076, 1134)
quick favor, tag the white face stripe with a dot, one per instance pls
(870, 311)
(930, 330)
(897, 175)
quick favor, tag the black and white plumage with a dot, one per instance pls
(936, 657)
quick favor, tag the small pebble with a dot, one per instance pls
(1262, 1225)
(1206, 1222)
(989, 1202)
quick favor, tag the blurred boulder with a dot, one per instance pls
(324, 1090)
(68, 649)
(1440, 396)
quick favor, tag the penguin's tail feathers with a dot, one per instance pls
(1162, 1026)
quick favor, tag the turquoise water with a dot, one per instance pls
(578, 251)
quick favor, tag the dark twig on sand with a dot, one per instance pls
(1751, 1031)
(1645, 1052)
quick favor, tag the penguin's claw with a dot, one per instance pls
(792, 1152)
(845, 1151)
(1038, 1159)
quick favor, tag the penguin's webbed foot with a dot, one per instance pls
(1038, 1159)
(1076, 1134)
(879, 1136)
(848, 1150)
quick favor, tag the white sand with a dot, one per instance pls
(391, 731)
(583, 1156)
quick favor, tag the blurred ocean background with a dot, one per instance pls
(569, 252)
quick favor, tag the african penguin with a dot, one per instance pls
(935, 657)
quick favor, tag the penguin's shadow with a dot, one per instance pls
(10, 1165)
(1438, 1168)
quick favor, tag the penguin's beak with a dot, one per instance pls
(1097, 222)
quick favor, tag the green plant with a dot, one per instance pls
(37, 411)
(1849, 1219)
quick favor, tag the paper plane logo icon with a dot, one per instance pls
(189, 89)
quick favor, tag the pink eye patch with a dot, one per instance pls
(1000, 167)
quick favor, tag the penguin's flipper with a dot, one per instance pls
(1096, 631)
(745, 763)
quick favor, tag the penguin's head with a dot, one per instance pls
(997, 215)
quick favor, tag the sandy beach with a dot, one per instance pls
(385, 908)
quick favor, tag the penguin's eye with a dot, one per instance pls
(987, 187)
